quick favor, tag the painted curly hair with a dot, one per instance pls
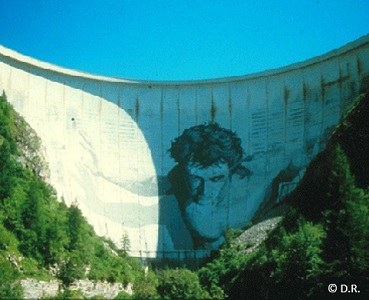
(207, 144)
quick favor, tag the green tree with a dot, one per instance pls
(298, 259)
(124, 296)
(219, 274)
(72, 268)
(180, 284)
(9, 288)
(125, 243)
(145, 286)
(12, 207)
(75, 221)
(346, 223)
(8, 166)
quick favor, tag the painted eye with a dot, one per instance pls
(193, 178)
(217, 178)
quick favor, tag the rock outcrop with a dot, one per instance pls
(34, 289)
(31, 153)
(258, 233)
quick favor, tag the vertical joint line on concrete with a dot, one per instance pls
(304, 98)
(119, 142)
(64, 109)
(10, 81)
(137, 112)
(196, 105)
(248, 133)
(266, 164)
(340, 81)
(28, 94)
(178, 111)
(120, 159)
(285, 103)
(230, 107)
(45, 97)
(213, 108)
(162, 130)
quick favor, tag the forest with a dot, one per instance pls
(323, 238)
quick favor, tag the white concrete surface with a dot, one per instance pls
(106, 139)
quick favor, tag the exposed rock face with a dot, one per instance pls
(34, 289)
(94, 288)
(257, 234)
(15, 261)
(30, 153)
(111, 251)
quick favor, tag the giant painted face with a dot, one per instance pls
(207, 156)
(205, 210)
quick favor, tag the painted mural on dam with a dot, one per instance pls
(175, 164)
(207, 188)
(207, 157)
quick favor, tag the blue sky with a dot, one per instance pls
(179, 40)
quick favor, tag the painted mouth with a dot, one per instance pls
(203, 201)
(206, 222)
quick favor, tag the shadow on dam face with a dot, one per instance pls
(146, 158)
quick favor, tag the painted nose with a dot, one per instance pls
(201, 188)
(206, 189)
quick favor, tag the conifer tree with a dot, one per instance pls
(298, 258)
(347, 222)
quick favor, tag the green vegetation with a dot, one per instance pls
(180, 284)
(323, 239)
(37, 231)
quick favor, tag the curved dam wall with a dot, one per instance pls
(106, 141)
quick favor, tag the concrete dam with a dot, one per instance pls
(172, 165)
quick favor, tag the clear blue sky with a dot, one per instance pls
(179, 40)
